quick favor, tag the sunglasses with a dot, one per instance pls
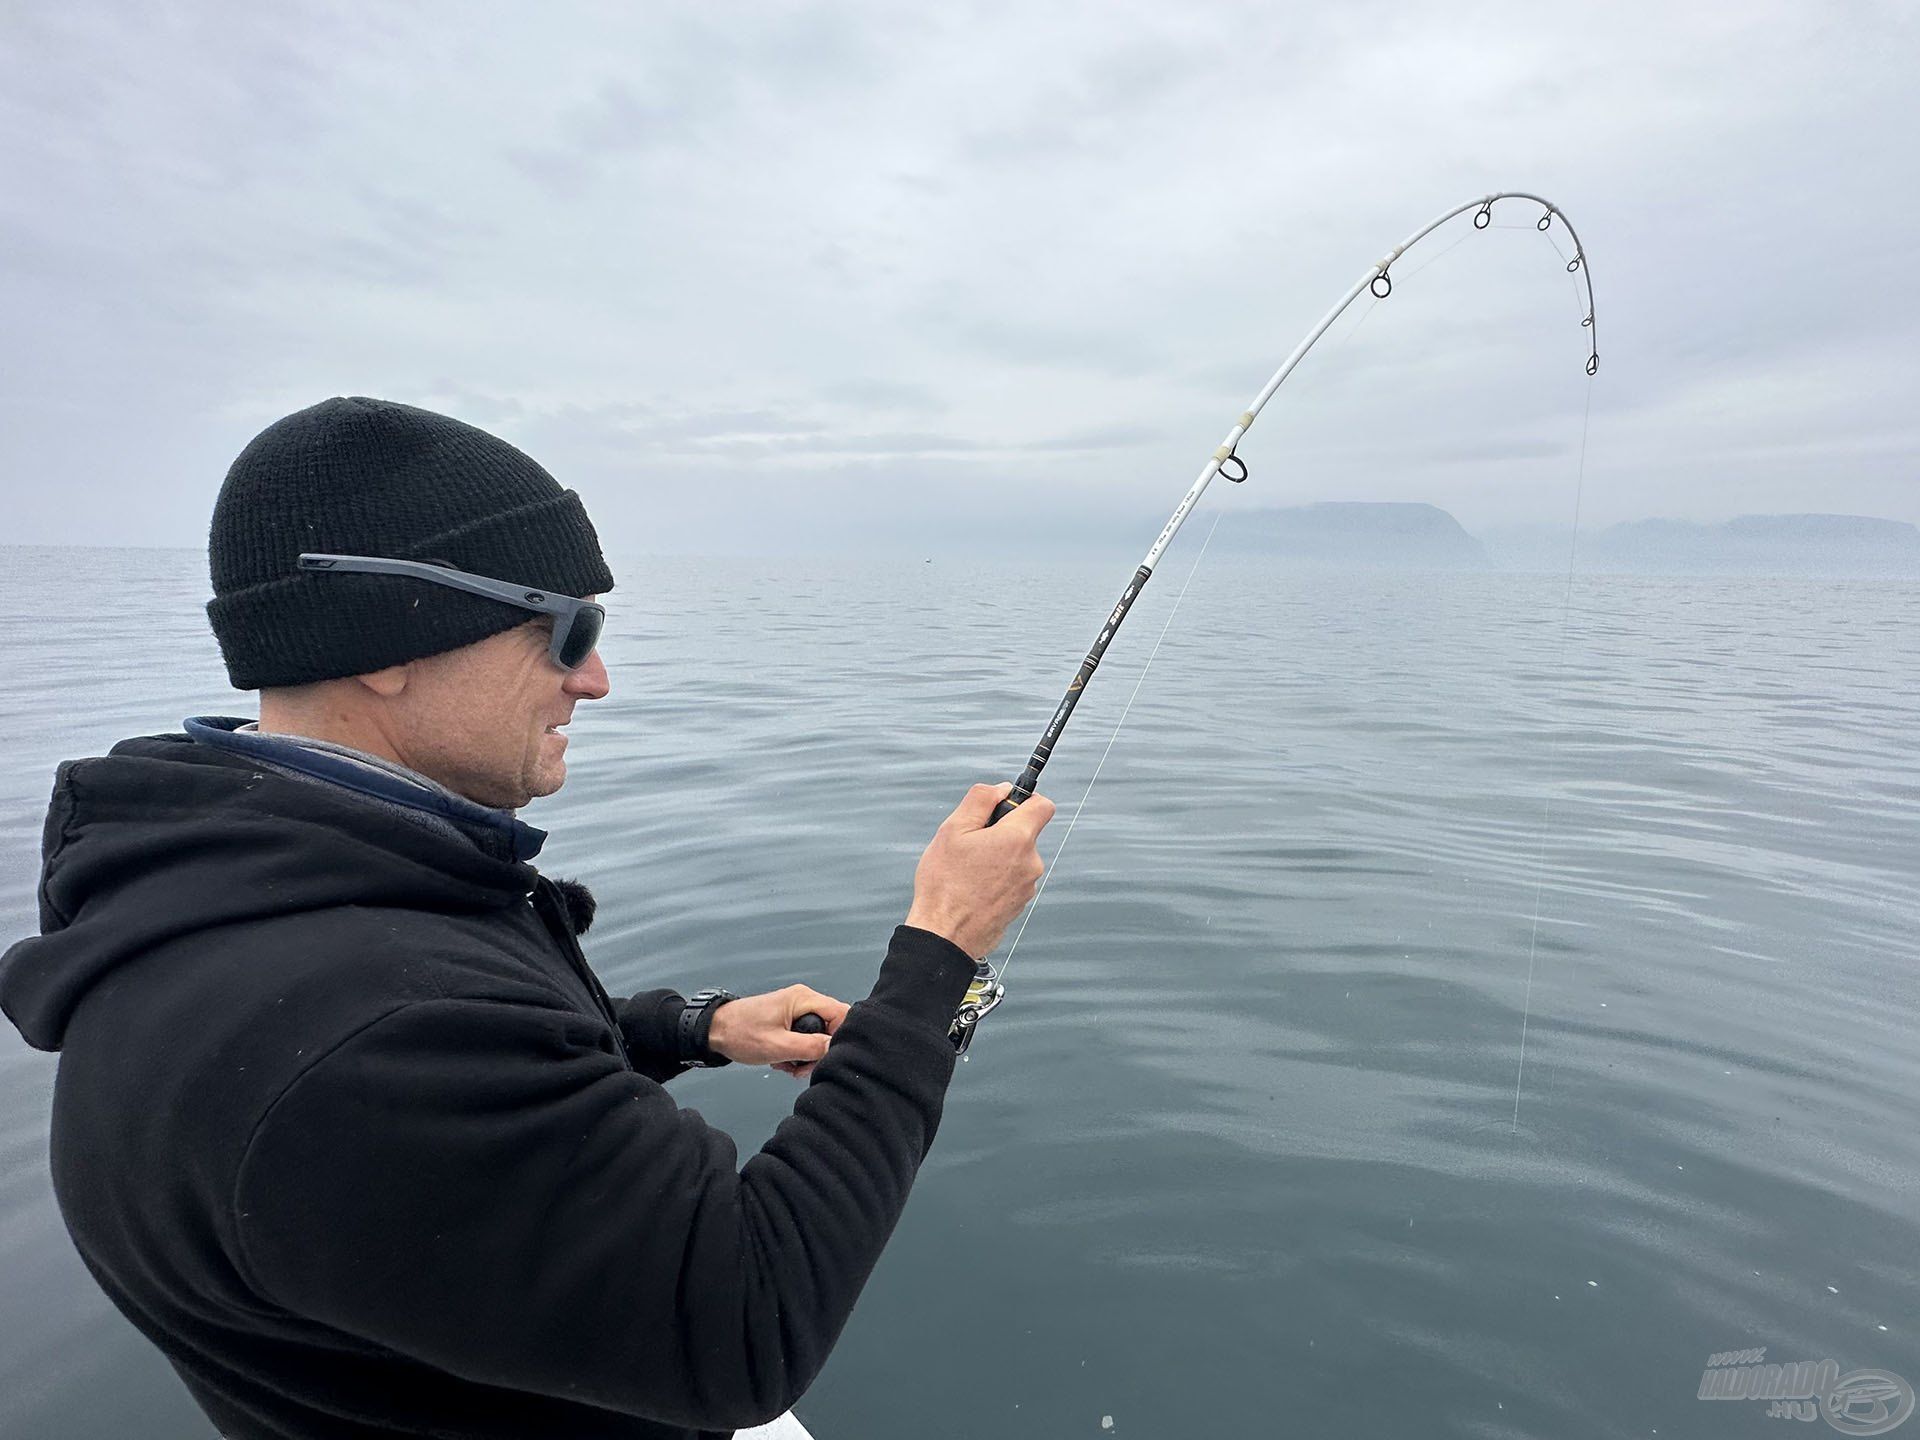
(576, 623)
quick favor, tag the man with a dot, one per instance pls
(344, 1122)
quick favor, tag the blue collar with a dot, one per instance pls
(371, 776)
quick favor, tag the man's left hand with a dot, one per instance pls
(758, 1029)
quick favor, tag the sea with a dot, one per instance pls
(1464, 1004)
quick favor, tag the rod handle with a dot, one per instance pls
(811, 1024)
(1022, 792)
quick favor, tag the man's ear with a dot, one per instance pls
(386, 683)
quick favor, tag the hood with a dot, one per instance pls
(162, 837)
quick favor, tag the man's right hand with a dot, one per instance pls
(973, 879)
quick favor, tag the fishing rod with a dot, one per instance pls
(986, 990)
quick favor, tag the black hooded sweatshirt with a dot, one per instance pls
(345, 1125)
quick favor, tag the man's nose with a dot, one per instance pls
(590, 681)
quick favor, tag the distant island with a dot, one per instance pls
(1759, 544)
(1356, 534)
(1395, 535)
(1838, 545)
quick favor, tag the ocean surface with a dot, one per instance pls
(1250, 1147)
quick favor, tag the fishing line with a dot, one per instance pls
(986, 990)
(1434, 261)
(1074, 819)
(1553, 752)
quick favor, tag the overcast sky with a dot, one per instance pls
(757, 276)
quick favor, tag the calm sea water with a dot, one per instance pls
(1239, 1153)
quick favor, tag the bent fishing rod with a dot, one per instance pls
(986, 990)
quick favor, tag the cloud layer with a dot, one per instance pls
(872, 274)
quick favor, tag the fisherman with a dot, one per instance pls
(344, 1122)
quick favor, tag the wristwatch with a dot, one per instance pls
(696, 1023)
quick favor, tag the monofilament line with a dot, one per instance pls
(1553, 751)
(1074, 819)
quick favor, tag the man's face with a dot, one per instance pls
(481, 719)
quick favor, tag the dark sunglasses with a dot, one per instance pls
(576, 623)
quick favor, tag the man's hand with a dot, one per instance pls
(758, 1029)
(973, 879)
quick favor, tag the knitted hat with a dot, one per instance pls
(356, 476)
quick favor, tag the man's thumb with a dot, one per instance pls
(973, 812)
(809, 1048)
(1031, 815)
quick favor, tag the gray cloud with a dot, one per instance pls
(864, 392)
(777, 277)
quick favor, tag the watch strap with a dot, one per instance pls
(696, 1024)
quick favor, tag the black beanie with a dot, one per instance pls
(355, 476)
